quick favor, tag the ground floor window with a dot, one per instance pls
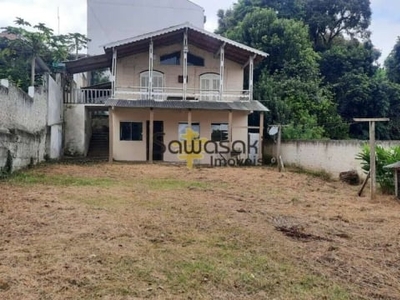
(131, 131)
(219, 132)
(182, 128)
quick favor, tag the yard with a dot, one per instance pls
(126, 231)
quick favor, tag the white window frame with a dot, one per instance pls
(210, 92)
(158, 92)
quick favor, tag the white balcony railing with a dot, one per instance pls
(170, 93)
(99, 96)
(88, 96)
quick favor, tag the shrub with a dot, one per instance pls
(384, 157)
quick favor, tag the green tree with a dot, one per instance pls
(392, 63)
(19, 53)
(289, 79)
(328, 20)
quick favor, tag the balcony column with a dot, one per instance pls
(151, 67)
(221, 71)
(113, 72)
(251, 77)
(151, 135)
(111, 134)
(260, 138)
(185, 63)
(189, 118)
(230, 129)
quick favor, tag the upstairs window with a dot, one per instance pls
(172, 59)
(194, 60)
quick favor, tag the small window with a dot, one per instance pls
(219, 132)
(182, 129)
(173, 59)
(131, 131)
(194, 60)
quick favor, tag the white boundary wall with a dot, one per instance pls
(331, 156)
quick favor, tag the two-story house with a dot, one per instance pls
(166, 81)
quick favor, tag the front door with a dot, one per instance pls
(158, 140)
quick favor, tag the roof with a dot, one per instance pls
(90, 63)
(393, 166)
(195, 105)
(198, 37)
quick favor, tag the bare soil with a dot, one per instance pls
(127, 231)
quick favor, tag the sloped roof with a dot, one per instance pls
(198, 37)
(180, 104)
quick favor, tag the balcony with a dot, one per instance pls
(99, 96)
(87, 96)
(177, 93)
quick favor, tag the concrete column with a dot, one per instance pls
(151, 137)
(111, 134)
(260, 149)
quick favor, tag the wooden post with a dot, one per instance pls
(260, 152)
(111, 135)
(278, 148)
(372, 158)
(372, 150)
(151, 131)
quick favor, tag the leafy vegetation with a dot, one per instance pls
(384, 157)
(24, 44)
(323, 69)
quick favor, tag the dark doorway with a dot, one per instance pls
(158, 140)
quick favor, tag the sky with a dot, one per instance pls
(385, 25)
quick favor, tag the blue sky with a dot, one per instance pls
(385, 25)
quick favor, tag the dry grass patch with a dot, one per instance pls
(164, 232)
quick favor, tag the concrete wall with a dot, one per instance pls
(110, 21)
(23, 125)
(136, 150)
(129, 69)
(77, 132)
(55, 116)
(331, 156)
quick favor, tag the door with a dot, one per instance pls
(209, 87)
(158, 140)
(158, 85)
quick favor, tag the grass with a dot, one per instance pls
(322, 174)
(34, 178)
(134, 231)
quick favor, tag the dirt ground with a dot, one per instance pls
(126, 231)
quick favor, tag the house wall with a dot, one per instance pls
(23, 121)
(331, 156)
(129, 69)
(108, 21)
(55, 116)
(136, 150)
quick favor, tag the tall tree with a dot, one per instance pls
(30, 42)
(289, 79)
(392, 63)
(328, 20)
